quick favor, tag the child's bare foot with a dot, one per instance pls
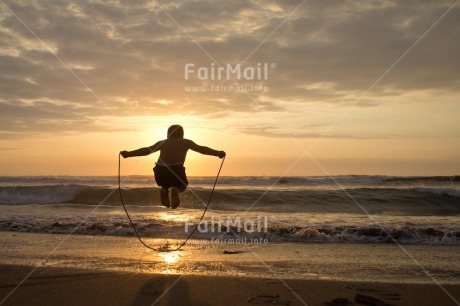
(175, 199)
(164, 197)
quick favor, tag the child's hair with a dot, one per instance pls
(175, 131)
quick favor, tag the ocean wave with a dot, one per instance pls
(94, 181)
(414, 201)
(454, 178)
(231, 180)
(409, 234)
(39, 194)
(404, 233)
(441, 191)
(199, 180)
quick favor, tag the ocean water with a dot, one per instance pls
(339, 209)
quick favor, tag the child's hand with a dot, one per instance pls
(124, 154)
(221, 154)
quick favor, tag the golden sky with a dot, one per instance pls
(353, 87)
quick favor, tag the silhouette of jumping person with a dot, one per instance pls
(169, 170)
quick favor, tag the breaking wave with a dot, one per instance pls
(405, 233)
(376, 200)
(417, 210)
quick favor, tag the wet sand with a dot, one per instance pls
(107, 270)
(318, 261)
(65, 286)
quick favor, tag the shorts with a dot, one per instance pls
(171, 176)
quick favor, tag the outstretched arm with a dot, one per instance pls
(206, 150)
(142, 151)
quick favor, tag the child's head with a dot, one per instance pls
(175, 131)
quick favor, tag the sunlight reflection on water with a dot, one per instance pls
(173, 217)
(170, 258)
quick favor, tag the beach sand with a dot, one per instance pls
(64, 286)
(108, 270)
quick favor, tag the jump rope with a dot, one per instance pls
(194, 229)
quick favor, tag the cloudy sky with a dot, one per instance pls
(352, 87)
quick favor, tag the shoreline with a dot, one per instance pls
(414, 264)
(98, 270)
(58, 286)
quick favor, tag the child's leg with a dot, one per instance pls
(175, 199)
(164, 197)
